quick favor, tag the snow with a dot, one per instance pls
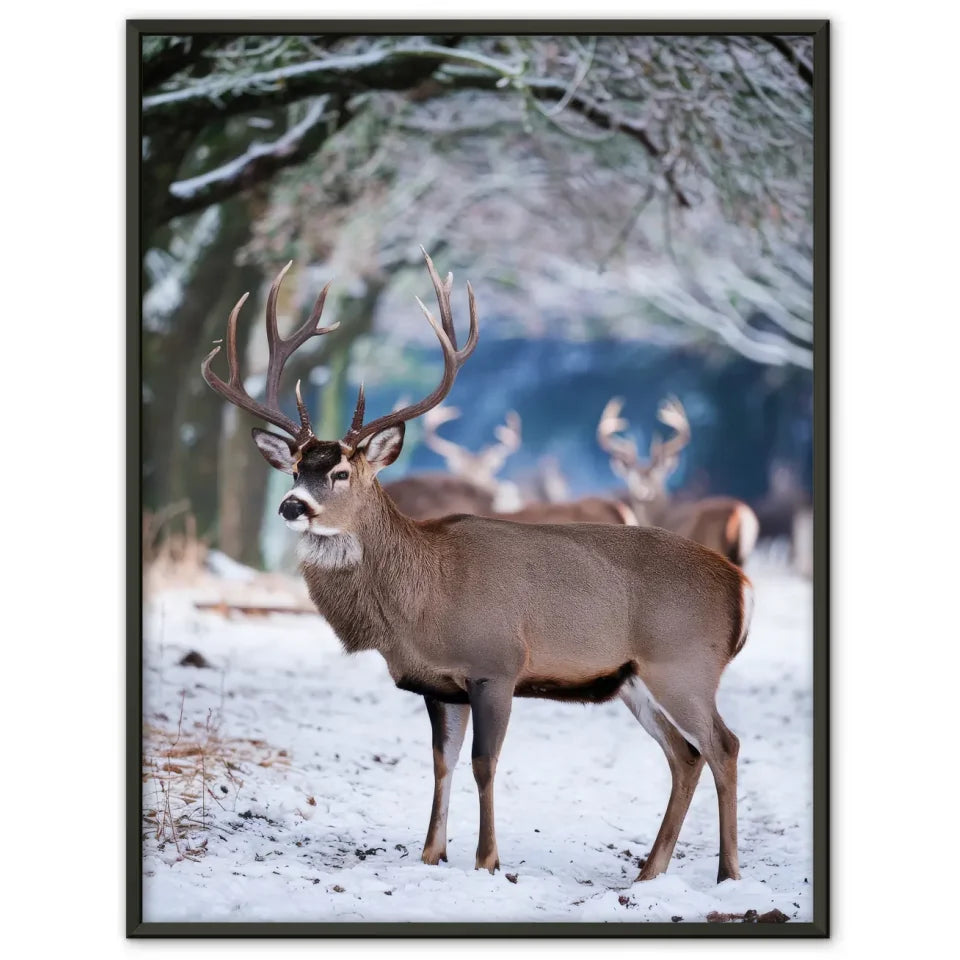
(325, 811)
(226, 567)
(282, 146)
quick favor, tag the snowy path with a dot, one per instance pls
(324, 814)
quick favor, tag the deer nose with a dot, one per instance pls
(292, 508)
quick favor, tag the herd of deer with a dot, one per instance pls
(470, 485)
(472, 606)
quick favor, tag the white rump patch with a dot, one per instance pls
(749, 531)
(747, 600)
(335, 551)
(644, 706)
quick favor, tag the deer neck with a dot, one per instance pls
(651, 512)
(371, 584)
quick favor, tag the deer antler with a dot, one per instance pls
(432, 421)
(670, 414)
(509, 434)
(622, 450)
(280, 350)
(453, 359)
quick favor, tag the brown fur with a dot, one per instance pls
(428, 495)
(586, 510)
(713, 521)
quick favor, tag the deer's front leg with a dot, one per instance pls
(490, 702)
(449, 722)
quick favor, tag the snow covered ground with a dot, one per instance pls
(318, 776)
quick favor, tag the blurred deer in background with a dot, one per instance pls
(724, 524)
(550, 483)
(471, 485)
(471, 612)
(479, 468)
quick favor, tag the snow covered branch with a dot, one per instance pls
(803, 68)
(259, 162)
(228, 94)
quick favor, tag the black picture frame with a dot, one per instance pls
(819, 927)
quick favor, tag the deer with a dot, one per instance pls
(724, 524)
(471, 612)
(471, 485)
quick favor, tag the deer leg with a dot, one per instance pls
(685, 762)
(691, 709)
(490, 703)
(449, 723)
(721, 754)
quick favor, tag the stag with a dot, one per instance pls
(470, 612)
(724, 524)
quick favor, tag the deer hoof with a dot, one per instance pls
(433, 856)
(490, 862)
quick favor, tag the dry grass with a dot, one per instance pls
(193, 771)
(174, 557)
(173, 554)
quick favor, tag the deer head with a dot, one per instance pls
(334, 480)
(646, 480)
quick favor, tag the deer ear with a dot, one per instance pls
(278, 451)
(384, 447)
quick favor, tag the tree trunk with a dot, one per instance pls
(178, 408)
(242, 489)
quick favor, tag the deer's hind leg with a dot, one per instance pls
(449, 723)
(690, 708)
(723, 750)
(686, 764)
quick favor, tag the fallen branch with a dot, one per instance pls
(751, 916)
(251, 610)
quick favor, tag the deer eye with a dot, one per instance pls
(340, 475)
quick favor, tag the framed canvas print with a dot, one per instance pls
(478, 478)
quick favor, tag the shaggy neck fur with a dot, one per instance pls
(372, 583)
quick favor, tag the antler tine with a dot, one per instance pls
(440, 415)
(357, 422)
(452, 361)
(672, 414)
(442, 289)
(233, 363)
(311, 328)
(508, 433)
(280, 351)
(302, 410)
(233, 390)
(623, 449)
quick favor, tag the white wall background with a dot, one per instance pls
(895, 221)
